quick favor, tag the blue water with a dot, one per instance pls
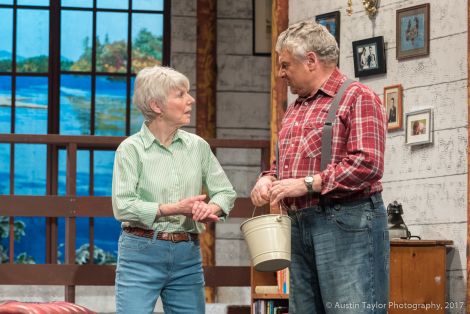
(30, 177)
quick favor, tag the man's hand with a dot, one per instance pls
(260, 192)
(287, 188)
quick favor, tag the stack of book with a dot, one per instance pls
(269, 307)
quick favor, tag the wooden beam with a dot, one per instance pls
(280, 22)
(103, 275)
(206, 78)
(87, 206)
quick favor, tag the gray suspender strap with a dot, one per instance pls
(327, 133)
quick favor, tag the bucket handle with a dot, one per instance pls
(279, 218)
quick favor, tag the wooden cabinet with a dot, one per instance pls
(417, 278)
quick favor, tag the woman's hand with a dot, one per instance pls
(204, 212)
(194, 207)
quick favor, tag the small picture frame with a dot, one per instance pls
(419, 127)
(393, 96)
(413, 31)
(332, 23)
(369, 56)
(262, 27)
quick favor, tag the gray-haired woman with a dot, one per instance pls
(158, 177)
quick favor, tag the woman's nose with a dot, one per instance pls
(191, 100)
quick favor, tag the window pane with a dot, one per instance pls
(156, 5)
(31, 105)
(5, 104)
(6, 1)
(111, 42)
(107, 230)
(136, 116)
(103, 172)
(75, 104)
(110, 113)
(83, 172)
(77, 3)
(33, 2)
(29, 248)
(6, 33)
(33, 41)
(4, 169)
(75, 40)
(147, 40)
(112, 4)
(30, 177)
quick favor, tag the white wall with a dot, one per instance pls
(430, 180)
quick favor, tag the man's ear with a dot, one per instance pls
(311, 60)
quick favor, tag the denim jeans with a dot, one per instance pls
(149, 268)
(340, 258)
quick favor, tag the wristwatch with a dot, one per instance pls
(308, 180)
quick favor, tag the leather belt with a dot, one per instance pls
(165, 236)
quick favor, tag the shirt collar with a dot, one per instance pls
(329, 87)
(148, 139)
(333, 83)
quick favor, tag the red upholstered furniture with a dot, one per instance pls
(59, 307)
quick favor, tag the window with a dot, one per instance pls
(68, 67)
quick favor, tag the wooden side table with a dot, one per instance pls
(418, 276)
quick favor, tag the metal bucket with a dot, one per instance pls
(268, 240)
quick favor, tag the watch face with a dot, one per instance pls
(309, 179)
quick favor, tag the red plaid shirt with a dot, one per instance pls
(358, 143)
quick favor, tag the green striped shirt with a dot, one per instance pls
(147, 174)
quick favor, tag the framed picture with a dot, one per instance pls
(419, 127)
(332, 23)
(413, 31)
(393, 96)
(369, 56)
(262, 27)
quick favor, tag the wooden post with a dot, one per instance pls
(280, 22)
(206, 78)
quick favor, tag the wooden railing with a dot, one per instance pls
(71, 206)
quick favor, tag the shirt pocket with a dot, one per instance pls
(310, 143)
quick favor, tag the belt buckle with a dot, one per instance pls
(171, 236)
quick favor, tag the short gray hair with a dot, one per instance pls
(154, 84)
(306, 36)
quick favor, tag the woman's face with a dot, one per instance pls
(177, 111)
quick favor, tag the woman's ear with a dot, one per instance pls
(155, 107)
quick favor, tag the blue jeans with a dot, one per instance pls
(340, 258)
(149, 268)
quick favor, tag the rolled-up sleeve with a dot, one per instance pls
(364, 163)
(216, 182)
(127, 204)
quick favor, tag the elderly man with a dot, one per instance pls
(340, 243)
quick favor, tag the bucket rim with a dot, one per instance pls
(263, 216)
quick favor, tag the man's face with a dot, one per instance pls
(295, 72)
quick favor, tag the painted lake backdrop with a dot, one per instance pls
(83, 79)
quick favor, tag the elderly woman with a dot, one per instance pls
(158, 177)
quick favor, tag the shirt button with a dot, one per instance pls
(285, 167)
(296, 123)
(293, 207)
(292, 145)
